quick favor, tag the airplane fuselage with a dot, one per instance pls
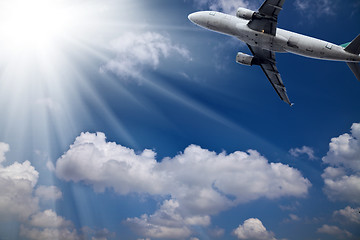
(283, 41)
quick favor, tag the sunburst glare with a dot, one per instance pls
(45, 45)
(30, 26)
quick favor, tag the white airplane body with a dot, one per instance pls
(259, 31)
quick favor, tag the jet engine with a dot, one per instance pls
(247, 60)
(244, 13)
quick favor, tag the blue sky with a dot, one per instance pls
(123, 120)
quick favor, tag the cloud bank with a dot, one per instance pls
(199, 182)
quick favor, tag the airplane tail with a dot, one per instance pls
(355, 68)
(354, 48)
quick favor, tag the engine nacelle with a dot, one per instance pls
(245, 13)
(245, 59)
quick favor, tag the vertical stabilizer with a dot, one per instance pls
(355, 68)
(354, 46)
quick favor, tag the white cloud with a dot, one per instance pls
(344, 151)
(164, 223)
(16, 183)
(48, 193)
(216, 232)
(294, 217)
(227, 6)
(48, 219)
(292, 207)
(49, 233)
(335, 231)
(19, 202)
(349, 214)
(302, 5)
(201, 182)
(342, 177)
(4, 148)
(316, 8)
(50, 166)
(48, 225)
(253, 229)
(135, 52)
(296, 152)
(101, 234)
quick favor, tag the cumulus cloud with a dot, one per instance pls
(342, 177)
(135, 52)
(164, 223)
(335, 231)
(296, 152)
(253, 229)
(199, 182)
(48, 218)
(16, 183)
(19, 201)
(49, 233)
(48, 193)
(344, 151)
(48, 225)
(348, 214)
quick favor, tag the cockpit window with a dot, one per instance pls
(212, 13)
(328, 46)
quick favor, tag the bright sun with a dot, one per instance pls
(32, 25)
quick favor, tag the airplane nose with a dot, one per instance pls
(197, 18)
(191, 17)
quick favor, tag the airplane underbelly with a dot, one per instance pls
(263, 40)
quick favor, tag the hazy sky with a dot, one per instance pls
(121, 119)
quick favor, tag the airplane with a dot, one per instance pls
(258, 29)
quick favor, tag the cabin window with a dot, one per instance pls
(328, 46)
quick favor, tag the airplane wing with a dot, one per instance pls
(265, 19)
(267, 63)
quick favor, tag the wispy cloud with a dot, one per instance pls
(227, 6)
(335, 231)
(348, 214)
(316, 8)
(135, 52)
(296, 152)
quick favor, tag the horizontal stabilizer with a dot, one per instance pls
(355, 68)
(354, 46)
